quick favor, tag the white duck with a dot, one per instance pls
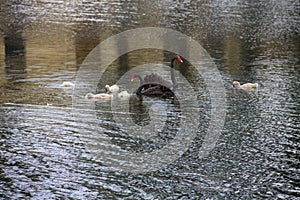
(246, 86)
(101, 96)
(67, 84)
(112, 89)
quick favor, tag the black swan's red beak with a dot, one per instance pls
(179, 59)
(132, 78)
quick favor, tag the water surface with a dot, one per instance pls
(46, 153)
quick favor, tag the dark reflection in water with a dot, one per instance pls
(14, 42)
(15, 54)
(43, 154)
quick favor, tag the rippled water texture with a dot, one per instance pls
(51, 150)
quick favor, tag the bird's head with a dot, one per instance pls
(236, 84)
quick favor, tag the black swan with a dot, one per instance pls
(154, 85)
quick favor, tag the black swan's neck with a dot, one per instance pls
(173, 73)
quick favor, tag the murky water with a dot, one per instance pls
(51, 150)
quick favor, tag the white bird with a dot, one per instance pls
(101, 96)
(124, 95)
(246, 86)
(112, 89)
(67, 84)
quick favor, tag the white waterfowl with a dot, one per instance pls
(124, 95)
(112, 89)
(67, 84)
(101, 96)
(246, 86)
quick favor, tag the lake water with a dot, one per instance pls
(52, 147)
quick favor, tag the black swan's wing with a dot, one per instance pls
(155, 78)
(154, 90)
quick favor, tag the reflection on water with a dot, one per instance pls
(44, 151)
(15, 59)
